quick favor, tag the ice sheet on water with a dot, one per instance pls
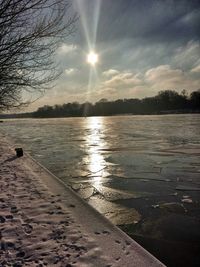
(111, 194)
(187, 188)
(117, 214)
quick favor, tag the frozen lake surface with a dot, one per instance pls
(141, 172)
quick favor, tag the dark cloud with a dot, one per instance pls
(152, 20)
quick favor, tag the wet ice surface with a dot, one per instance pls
(141, 172)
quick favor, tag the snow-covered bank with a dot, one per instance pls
(44, 223)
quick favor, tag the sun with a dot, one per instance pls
(92, 58)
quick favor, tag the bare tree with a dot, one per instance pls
(30, 33)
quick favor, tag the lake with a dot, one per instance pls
(141, 172)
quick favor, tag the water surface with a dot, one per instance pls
(141, 172)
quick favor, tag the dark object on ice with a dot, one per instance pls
(1, 121)
(19, 151)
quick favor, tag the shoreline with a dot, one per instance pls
(45, 223)
(22, 116)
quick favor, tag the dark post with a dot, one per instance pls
(19, 152)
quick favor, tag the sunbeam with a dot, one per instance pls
(89, 15)
(85, 111)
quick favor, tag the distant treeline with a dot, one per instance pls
(165, 102)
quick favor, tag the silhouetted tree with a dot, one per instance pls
(170, 100)
(30, 32)
(103, 100)
(195, 99)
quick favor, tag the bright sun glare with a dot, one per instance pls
(92, 58)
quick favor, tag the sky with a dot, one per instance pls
(143, 47)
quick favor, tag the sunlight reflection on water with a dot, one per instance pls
(95, 142)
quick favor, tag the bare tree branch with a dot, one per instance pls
(30, 33)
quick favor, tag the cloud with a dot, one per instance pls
(65, 49)
(187, 55)
(110, 72)
(196, 69)
(70, 71)
(164, 77)
(122, 81)
(163, 73)
(161, 20)
(149, 83)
